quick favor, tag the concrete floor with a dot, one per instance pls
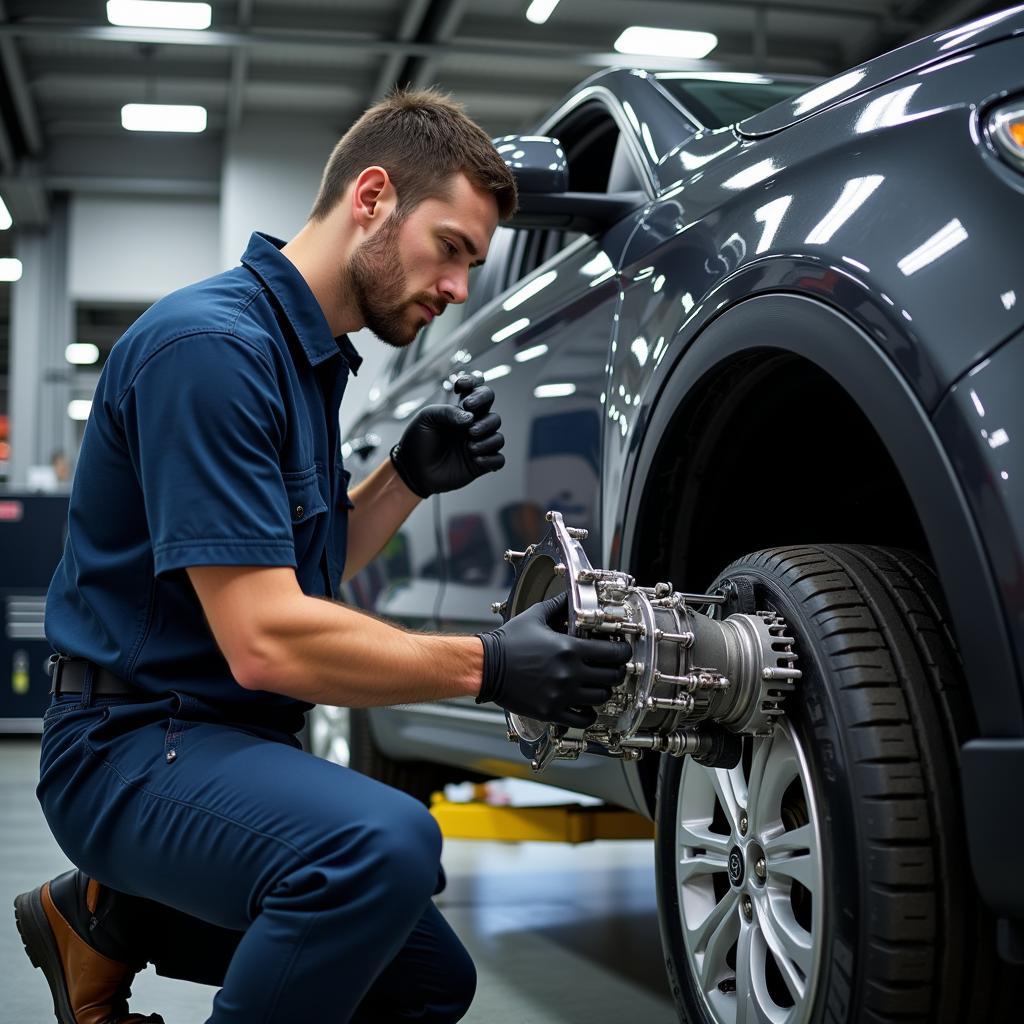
(559, 933)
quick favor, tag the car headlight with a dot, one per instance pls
(1005, 127)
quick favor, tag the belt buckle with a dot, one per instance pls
(55, 668)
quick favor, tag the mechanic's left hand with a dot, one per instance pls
(448, 446)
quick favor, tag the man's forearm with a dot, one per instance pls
(327, 653)
(382, 503)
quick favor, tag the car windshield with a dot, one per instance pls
(717, 101)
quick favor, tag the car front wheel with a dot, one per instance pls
(825, 877)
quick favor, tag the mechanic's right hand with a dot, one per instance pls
(533, 670)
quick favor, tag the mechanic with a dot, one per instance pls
(192, 611)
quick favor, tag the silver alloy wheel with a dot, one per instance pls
(749, 871)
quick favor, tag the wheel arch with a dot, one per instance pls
(721, 381)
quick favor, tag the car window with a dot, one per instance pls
(720, 102)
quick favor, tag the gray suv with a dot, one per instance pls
(764, 339)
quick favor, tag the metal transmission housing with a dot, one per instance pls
(687, 668)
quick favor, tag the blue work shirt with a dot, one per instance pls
(213, 440)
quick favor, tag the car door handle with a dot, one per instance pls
(364, 446)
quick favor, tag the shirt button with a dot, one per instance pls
(299, 511)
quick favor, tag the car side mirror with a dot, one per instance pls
(541, 170)
(537, 163)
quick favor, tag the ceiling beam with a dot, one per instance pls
(115, 185)
(443, 22)
(411, 25)
(326, 45)
(21, 97)
(330, 43)
(239, 71)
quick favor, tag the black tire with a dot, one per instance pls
(879, 713)
(420, 779)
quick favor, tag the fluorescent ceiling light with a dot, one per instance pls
(5, 216)
(79, 408)
(82, 353)
(666, 42)
(10, 270)
(158, 14)
(540, 10)
(162, 117)
(502, 370)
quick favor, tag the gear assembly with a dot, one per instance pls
(695, 684)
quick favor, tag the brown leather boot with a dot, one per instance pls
(88, 986)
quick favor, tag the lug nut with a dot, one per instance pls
(743, 824)
(761, 868)
(748, 908)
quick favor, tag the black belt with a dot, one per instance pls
(68, 676)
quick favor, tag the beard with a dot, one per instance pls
(375, 281)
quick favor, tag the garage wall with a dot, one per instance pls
(137, 249)
(270, 178)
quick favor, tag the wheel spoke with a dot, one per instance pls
(792, 953)
(749, 1007)
(719, 942)
(781, 766)
(762, 751)
(697, 835)
(731, 792)
(802, 868)
(701, 933)
(703, 864)
(797, 840)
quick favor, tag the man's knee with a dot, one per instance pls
(405, 847)
(394, 857)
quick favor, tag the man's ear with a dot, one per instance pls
(373, 197)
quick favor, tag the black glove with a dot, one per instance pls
(532, 670)
(448, 446)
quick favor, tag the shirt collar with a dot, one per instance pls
(264, 258)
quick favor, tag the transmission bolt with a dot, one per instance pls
(748, 908)
(743, 824)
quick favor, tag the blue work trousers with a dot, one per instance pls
(301, 887)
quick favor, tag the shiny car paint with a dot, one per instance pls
(876, 232)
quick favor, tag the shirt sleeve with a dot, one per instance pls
(204, 422)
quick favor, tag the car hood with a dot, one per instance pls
(913, 57)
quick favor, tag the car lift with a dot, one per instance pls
(563, 823)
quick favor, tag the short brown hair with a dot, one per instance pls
(421, 138)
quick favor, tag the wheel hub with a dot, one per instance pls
(688, 669)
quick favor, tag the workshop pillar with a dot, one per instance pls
(41, 329)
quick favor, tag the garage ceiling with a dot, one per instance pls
(66, 71)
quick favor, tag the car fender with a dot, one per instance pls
(816, 332)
